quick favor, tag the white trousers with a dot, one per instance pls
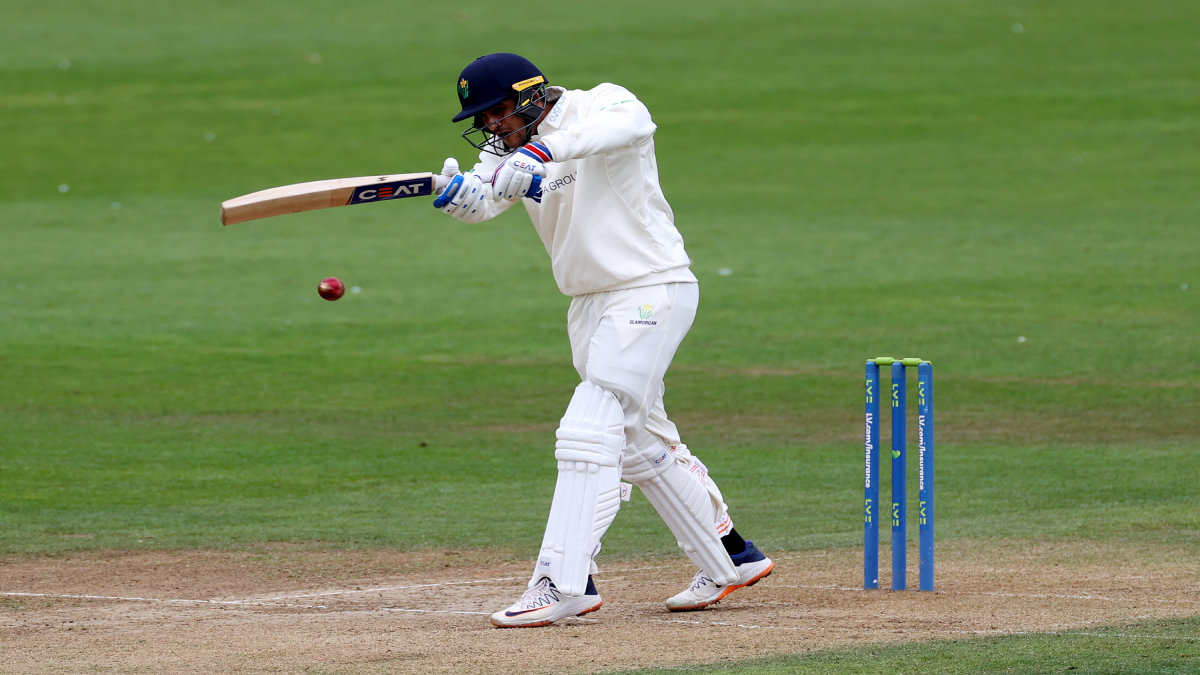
(624, 341)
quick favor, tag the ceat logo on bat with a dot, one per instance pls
(419, 187)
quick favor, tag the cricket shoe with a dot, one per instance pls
(751, 565)
(544, 604)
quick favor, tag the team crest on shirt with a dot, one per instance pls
(645, 312)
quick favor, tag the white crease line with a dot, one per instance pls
(825, 588)
(740, 625)
(395, 588)
(267, 602)
(1075, 597)
(447, 611)
(431, 611)
(444, 583)
(133, 599)
(1036, 595)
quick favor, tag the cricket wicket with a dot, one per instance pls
(899, 484)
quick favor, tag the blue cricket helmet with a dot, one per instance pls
(488, 80)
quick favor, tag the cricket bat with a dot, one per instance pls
(326, 194)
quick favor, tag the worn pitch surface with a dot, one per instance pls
(365, 612)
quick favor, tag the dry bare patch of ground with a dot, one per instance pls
(291, 610)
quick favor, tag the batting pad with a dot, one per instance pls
(587, 495)
(685, 505)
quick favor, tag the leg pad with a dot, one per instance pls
(684, 503)
(591, 439)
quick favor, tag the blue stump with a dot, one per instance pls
(871, 481)
(925, 470)
(899, 478)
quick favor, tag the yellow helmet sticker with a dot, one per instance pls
(525, 84)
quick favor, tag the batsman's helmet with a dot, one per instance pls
(491, 79)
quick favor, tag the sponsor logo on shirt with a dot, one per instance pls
(552, 185)
(559, 183)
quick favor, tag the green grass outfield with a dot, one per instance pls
(919, 178)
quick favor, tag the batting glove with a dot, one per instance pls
(466, 193)
(514, 176)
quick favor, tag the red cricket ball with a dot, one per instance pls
(331, 288)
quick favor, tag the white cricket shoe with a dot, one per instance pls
(752, 566)
(544, 604)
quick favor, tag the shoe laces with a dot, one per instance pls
(700, 580)
(542, 594)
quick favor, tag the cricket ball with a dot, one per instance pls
(331, 288)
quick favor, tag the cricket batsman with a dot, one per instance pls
(614, 249)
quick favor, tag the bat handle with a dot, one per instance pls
(535, 186)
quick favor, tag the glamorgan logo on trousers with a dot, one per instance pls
(645, 312)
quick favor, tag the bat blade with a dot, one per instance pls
(325, 194)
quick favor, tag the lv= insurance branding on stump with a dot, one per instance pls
(899, 516)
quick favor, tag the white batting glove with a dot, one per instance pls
(467, 192)
(514, 176)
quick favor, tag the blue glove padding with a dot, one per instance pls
(452, 189)
(463, 198)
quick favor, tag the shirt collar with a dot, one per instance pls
(555, 118)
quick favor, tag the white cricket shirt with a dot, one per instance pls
(601, 213)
